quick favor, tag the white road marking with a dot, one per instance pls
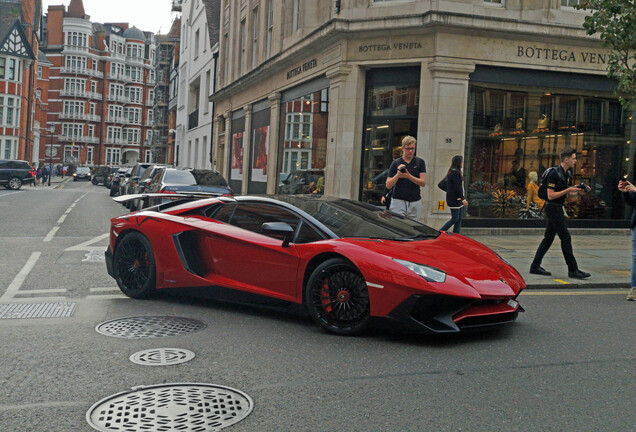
(86, 246)
(61, 219)
(21, 276)
(68, 210)
(43, 291)
(51, 233)
(72, 205)
(102, 289)
(106, 296)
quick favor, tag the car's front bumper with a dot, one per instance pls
(109, 262)
(448, 314)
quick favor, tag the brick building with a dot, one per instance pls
(101, 89)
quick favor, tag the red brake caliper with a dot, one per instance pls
(325, 299)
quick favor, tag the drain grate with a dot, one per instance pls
(36, 310)
(162, 356)
(171, 407)
(149, 327)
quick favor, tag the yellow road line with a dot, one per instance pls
(561, 281)
(568, 293)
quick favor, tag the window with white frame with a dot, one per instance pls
(3, 67)
(296, 15)
(113, 133)
(72, 130)
(115, 112)
(117, 69)
(39, 72)
(133, 94)
(71, 153)
(8, 148)
(134, 50)
(76, 85)
(299, 127)
(9, 110)
(132, 115)
(113, 156)
(89, 155)
(571, 3)
(116, 90)
(76, 63)
(149, 135)
(255, 31)
(296, 159)
(13, 71)
(74, 38)
(151, 96)
(92, 107)
(494, 2)
(132, 135)
(151, 117)
(91, 130)
(241, 54)
(270, 26)
(73, 108)
(93, 86)
(148, 156)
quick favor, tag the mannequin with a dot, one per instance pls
(533, 191)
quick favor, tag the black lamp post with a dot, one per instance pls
(50, 131)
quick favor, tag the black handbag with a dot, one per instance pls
(387, 198)
(443, 184)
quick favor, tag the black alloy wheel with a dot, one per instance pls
(15, 183)
(337, 297)
(134, 266)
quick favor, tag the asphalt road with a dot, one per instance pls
(568, 363)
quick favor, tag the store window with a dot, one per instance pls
(516, 133)
(391, 106)
(304, 143)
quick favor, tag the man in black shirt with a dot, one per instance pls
(559, 186)
(406, 175)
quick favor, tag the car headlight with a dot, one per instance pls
(429, 273)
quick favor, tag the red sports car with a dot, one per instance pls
(348, 262)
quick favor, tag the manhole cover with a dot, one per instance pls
(162, 356)
(171, 407)
(149, 327)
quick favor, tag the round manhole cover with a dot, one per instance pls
(149, 327)
(171, 407)
(162, 356)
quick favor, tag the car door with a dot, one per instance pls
(247, 259)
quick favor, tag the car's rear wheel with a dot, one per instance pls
(15, 183)
(337, 298)
(134, 266)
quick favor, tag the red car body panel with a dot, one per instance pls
(235, 258)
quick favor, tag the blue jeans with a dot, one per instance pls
(456, 219)
(633, 257)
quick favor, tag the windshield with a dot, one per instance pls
(348, 218)
(82, 170)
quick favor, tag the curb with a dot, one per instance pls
(551, 286)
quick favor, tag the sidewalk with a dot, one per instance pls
(56, 181)
(606, 254)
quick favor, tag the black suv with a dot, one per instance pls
(15, 173)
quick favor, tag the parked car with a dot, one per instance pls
(347, 262)
(135, 174)
(82, 173)
(15, 173)
(100, 174)
(175, 180)
(303, 182)
(143, 183)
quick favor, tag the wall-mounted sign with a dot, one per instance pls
(541, 53)
(307, 66)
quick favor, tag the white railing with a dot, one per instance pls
(117, 141)
(75, 49)
(114, 119)
(82, 71)
(135, 60)
(78, 116)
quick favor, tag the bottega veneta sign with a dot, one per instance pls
(539, 53)
(302, 68)
(396, 46)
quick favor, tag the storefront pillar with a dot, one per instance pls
(217, 141)
(344, 132)
(442, 131)
(225, 166)
(247, 147)
(272, 159)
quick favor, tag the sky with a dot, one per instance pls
(147, 15)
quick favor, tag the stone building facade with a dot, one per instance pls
(315, 97)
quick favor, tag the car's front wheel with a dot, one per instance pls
(337, 298)
(134, 266)
(15, 183)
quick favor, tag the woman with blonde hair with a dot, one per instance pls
(533, 191)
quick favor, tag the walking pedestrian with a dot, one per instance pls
(559, 186)
(629, 195)
(406, 175)
(455, 198)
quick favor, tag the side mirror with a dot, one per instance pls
(285, 182)
(279, 229)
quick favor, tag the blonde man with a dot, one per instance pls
(407, 174)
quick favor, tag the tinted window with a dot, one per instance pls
(194, 177)
(347, 218)
(251, 216)
(307, 234)
(223, 213)
(5, 165)
(21, 165)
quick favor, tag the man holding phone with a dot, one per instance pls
(559, 187)
(406, 175)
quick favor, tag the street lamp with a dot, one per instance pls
(50, 131)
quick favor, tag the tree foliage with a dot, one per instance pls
(615, 23)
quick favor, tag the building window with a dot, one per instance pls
(71, 154)
(77, 39)
(113, 156)
(270, 26)
(148, 156)
(39, 72)
(76, 63)
(571, 3)
(196, 43)
(8, 148)
(72, 130)
(9, 111)
(296, 15)
(241, 56)
(255, 31)
(304, 144)
(89, 155)
(73, 108)
(3, 63)
(12, 70)
(525, 137)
